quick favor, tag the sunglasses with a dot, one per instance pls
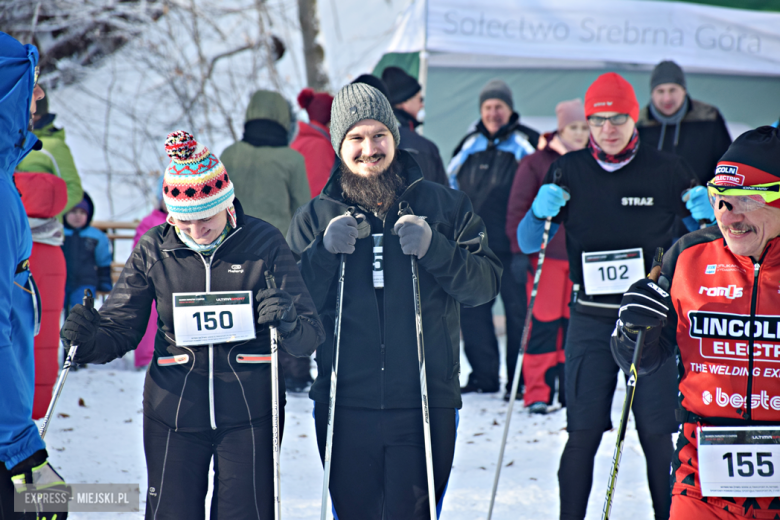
(743, 199)
(616, 120)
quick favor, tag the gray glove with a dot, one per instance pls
(415, 235)
(340, 235)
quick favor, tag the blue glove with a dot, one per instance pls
(549, 201)
(698, 203)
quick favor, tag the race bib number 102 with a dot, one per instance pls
(739, 462)
(215, 317)
(612, 272)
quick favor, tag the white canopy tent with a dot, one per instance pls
(550, 50)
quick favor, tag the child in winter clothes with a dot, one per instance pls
(87, 254)
(145, 350)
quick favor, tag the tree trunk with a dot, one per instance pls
(313, 52)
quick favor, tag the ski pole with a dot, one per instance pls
(270, 282)
(655, 272)
(523, 345)
(89, 303)
(333, 378)
(404, 209)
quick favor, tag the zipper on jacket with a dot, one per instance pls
(751, 339)
(207, 266)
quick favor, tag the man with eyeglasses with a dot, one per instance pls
(718, 301)
(618, 200)
(405, 95)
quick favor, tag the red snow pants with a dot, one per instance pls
(47, 264)
(544, 357)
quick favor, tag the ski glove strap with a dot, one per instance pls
(549, 201)
(415, 235)
(277, 309)
(644, 305)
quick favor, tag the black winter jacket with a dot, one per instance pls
(424, 151)
(459, 268)
(703, 138)
(209, 385)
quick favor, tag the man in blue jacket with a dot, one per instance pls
(22, 451)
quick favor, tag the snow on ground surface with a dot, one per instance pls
(102, 442)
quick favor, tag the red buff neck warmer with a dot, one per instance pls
(613, 163)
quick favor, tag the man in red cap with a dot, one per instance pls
(717, 286)
(618, 201)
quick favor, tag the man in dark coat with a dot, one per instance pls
(483, 167)
(675, 123)
(407, 100)
(379, 468)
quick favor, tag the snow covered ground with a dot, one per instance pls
(102, 442)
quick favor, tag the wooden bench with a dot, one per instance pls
(116, 231)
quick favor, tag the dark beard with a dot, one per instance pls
(376, 193)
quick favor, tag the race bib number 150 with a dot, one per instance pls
(215, 317)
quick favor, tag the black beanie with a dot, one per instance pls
(759, 149)
(370, 79)
(667, 72)
(401, 85)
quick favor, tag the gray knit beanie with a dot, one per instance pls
(667, 72)
(496, 89)
(355, 102)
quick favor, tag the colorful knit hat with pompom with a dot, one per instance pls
(196, 184)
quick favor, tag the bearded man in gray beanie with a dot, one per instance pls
(378, 459)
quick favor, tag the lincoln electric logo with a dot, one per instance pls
(731, 292)
(726, 174)
(727, 336)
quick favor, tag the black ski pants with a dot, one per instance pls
(378, 460)
(591, 378)
(479, 336)
(177, 465)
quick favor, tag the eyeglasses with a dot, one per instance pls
(743, 199)
(616, 120)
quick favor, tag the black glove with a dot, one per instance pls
(36, 471)
(277, 309)
(81, 328)
(644, 305)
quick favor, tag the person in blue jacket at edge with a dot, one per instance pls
(22, 451)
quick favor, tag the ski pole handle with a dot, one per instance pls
(270, 281)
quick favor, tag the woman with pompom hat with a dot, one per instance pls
(313, 140)
(206, 396)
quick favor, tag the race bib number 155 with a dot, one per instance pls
(739, 462)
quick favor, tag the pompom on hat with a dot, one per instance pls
(316, 104)
(195, 185)
(611, 93)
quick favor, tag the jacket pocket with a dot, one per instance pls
(451, 366)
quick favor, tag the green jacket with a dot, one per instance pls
(271, 180)
(55, 158)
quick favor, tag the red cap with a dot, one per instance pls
(317, 105)
(611, 93)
